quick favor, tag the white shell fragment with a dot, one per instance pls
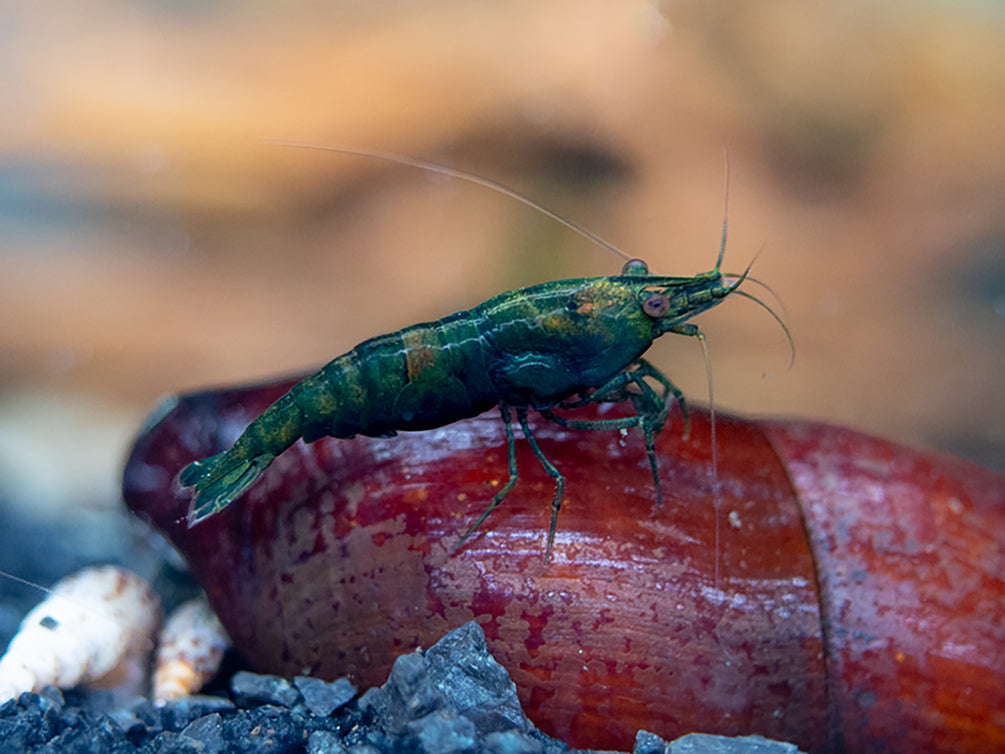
(191, 649)
(96, 627)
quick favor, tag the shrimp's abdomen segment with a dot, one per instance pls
(423, 376)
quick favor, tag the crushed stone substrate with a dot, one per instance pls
(453, 698)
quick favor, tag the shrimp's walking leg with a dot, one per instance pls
(510, 483)
(556, 503)
(220, 479)
(652, 409)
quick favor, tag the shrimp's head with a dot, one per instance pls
(670, 302)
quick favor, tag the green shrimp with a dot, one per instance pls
(561, 344)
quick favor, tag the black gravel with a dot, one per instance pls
(454, 698)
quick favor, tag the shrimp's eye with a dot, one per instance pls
(656, 305)
(635, 267)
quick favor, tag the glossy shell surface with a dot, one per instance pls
(852, 598)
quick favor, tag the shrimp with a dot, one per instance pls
(561, 344)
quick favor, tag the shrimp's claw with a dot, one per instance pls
(219, 480)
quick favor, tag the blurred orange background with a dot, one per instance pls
(150, 242)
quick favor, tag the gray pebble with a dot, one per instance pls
(270, 689)
(207, 730)
(511, 742)
(444, 733)
(325, 742)
(457, 674)
(323, 698)
(703, 743)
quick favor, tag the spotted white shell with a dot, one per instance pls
(96, 627)
(191, 648)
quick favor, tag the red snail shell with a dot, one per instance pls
(859, 603)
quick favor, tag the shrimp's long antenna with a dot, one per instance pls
(725, 213)
(708, 370)
(715, 451)
(781, 323)
(51, 592)
(774, 294)
(26, 582)
(463, 176)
